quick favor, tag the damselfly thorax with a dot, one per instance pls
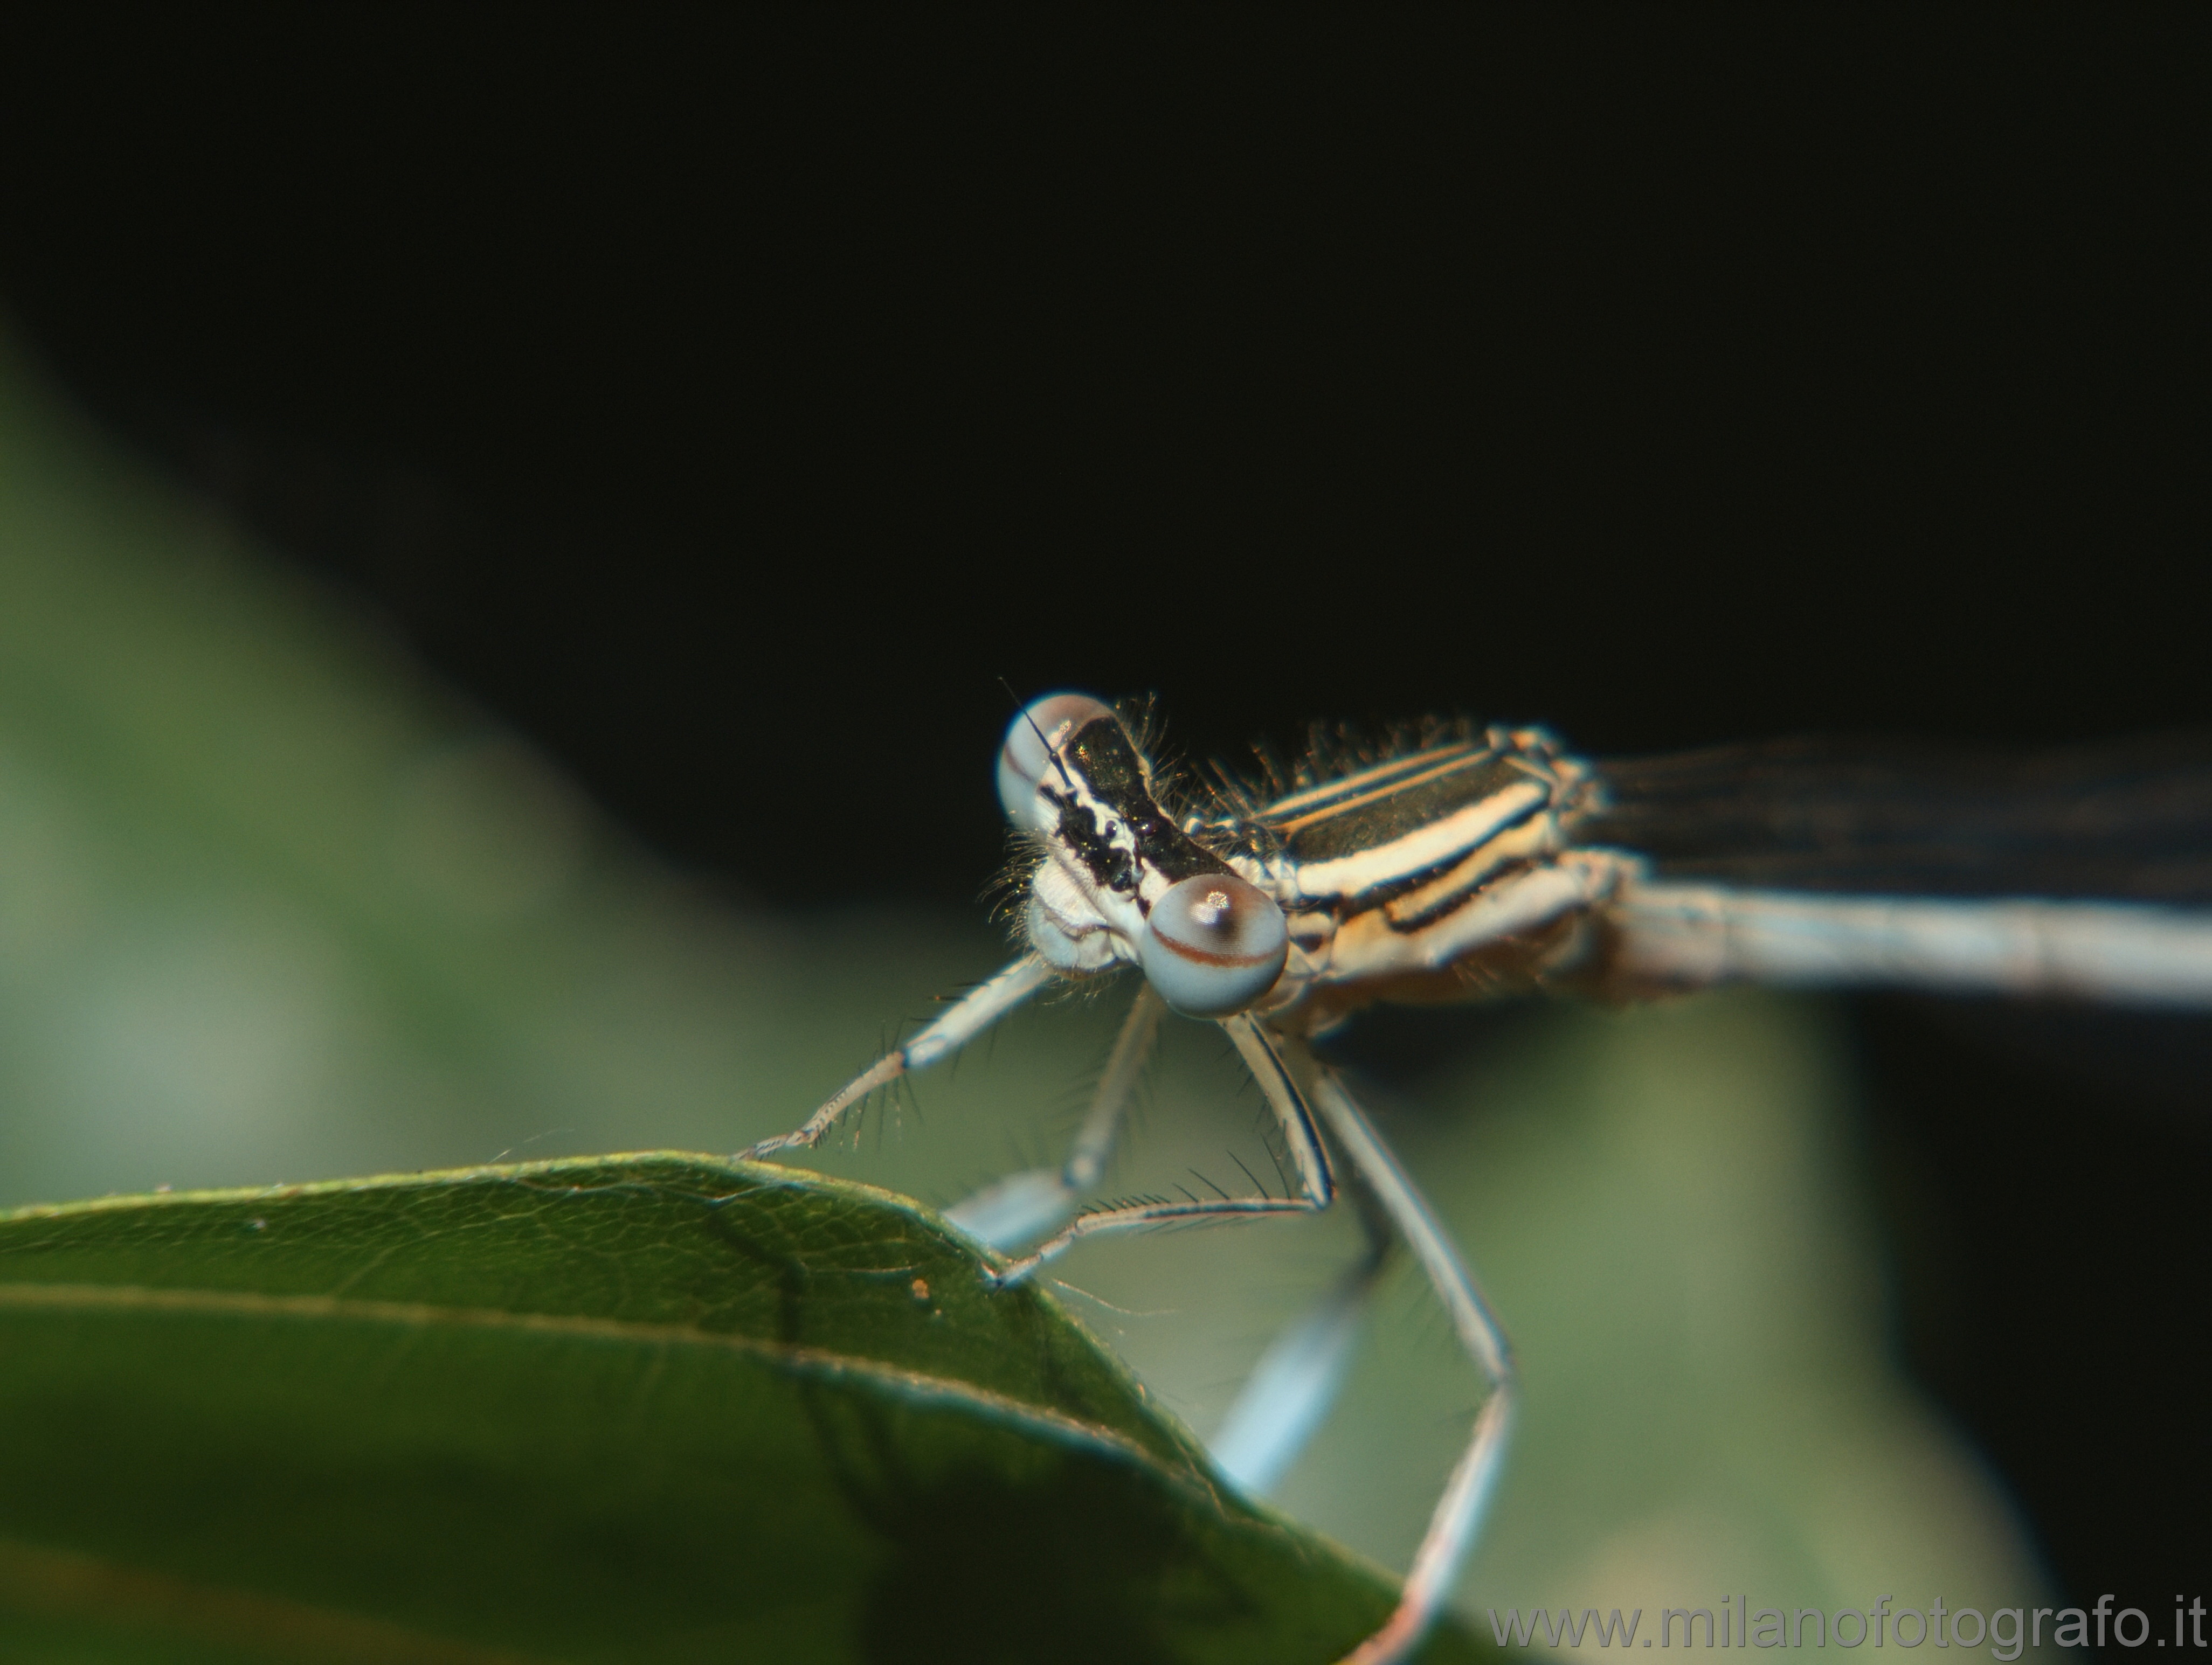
(1445, 874)
(1459, 863)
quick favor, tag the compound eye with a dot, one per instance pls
(1212, 945)
(1025, 758)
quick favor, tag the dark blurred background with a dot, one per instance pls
(728, 405)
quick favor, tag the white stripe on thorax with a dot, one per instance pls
(1535, 837)
(1424, 848)
(1518, 905)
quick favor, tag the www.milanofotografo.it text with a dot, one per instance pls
(2005, 1630)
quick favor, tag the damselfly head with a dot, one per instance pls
(1120, 882)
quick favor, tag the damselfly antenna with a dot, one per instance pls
(1024, 714)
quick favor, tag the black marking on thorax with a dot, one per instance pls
(1391, 802)
(1109, 821)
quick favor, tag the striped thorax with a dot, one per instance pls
(1439, 874)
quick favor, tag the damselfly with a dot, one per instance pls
(1454, 863)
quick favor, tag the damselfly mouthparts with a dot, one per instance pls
(1462, 863)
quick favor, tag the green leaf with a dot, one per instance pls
(633, 1408)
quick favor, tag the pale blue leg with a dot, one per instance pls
(1309, 1160)
(969, 1017)
(1022, 1208)
(1313, 1356)
(1458, 1514)
(1295, 1385)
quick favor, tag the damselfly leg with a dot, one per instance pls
(1316, 1183)
(1022, 1208)
(1458, 1513)
(1296, 1382)
(973, 1013)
